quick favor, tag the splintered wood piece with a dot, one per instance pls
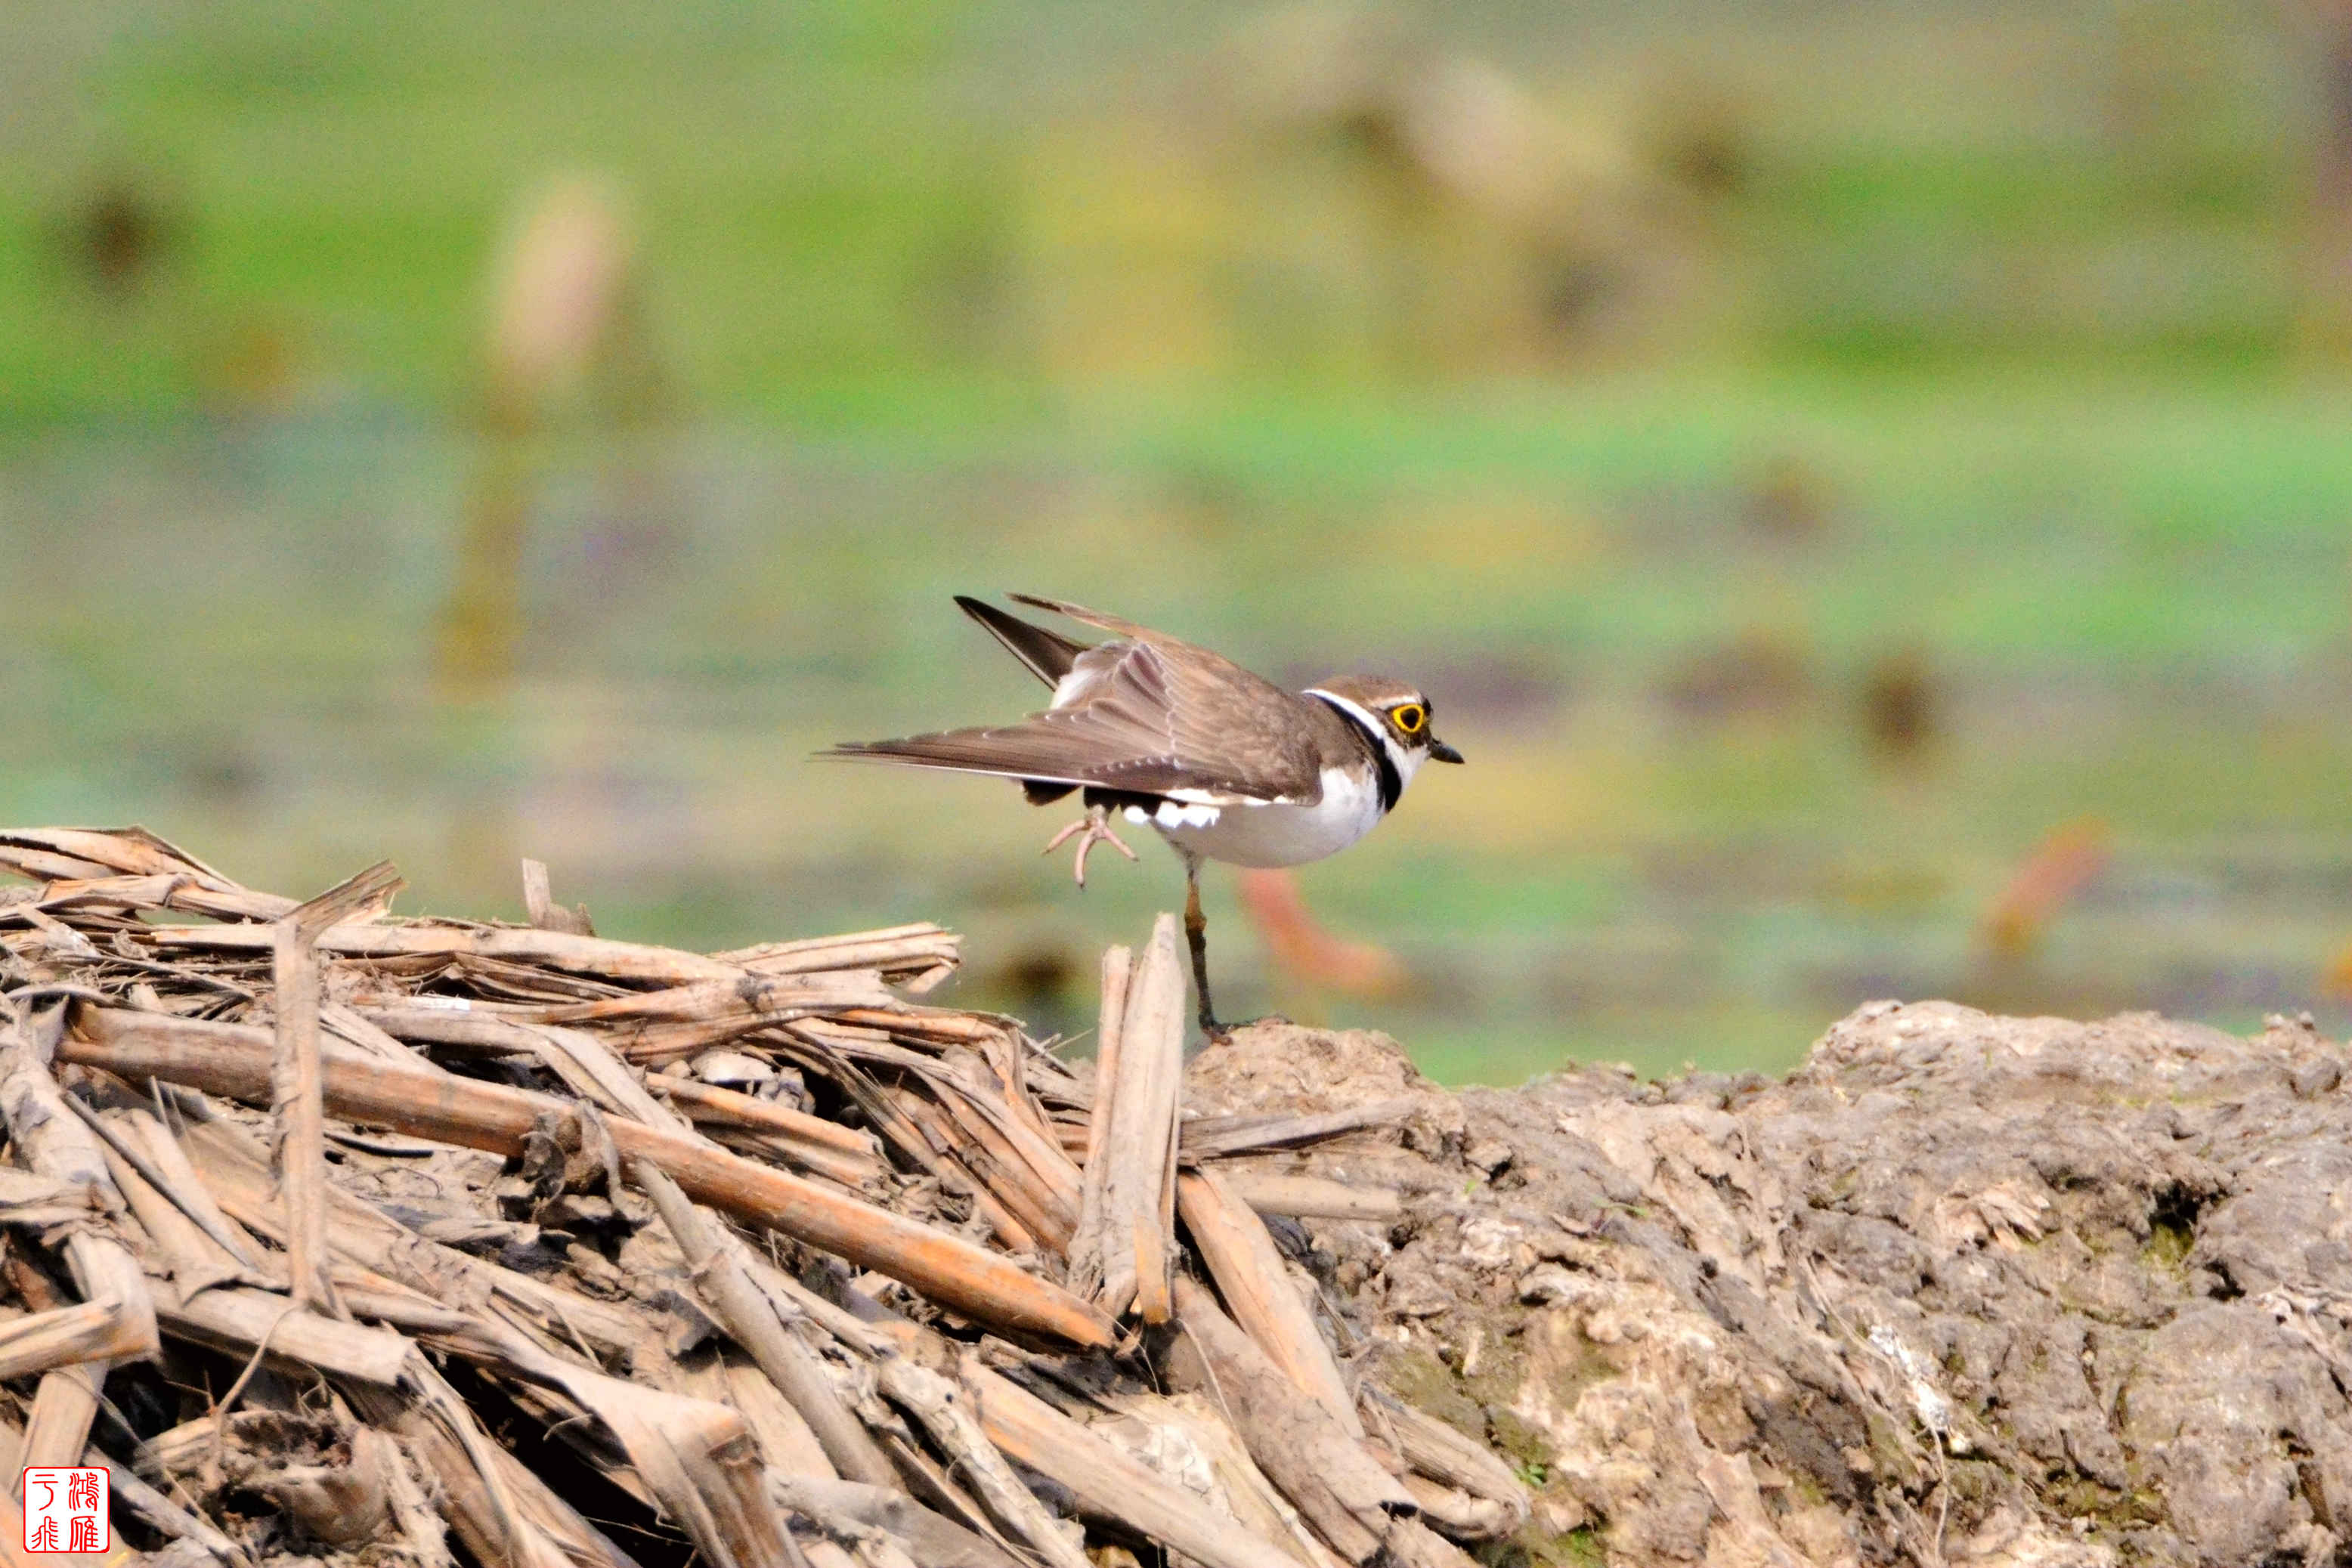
(233, 1060)
(1145, 1095)
(922, 1130)
(242, 1320)
(55, 1143)
(698, 1460)
(1341, 1491)
(789, 1296)
(132, 851)
(28, 1198)
(918, 956)
(196, 1260)
(505, 1515)
(992, 1145)
(1255, 1282)
(538, 904)
(926, 1023)
(1457, 1513)
(588, 1066)
(1109, 1485)
(933, 1540)
(709, 1103)
(732, 1379)
(128, 895)
(742, 1001)
(944, 1408)
(850, 1157)
(46, 866)
(695, 1458)
(49, 855)
(1412, 1544)
(1000, 1108)
(596, 956)
(342, 1019)
(294, 1079)
(1461, 1466)
(232, 1170)
(1087, 1251)
(585, 1065)
(1312, 1198)
(761, 954)
(743, 1309)
(1212, 1138)
(183, 1185)
(63, 1336)
(861, 1177)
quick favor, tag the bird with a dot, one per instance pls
(1225, 765)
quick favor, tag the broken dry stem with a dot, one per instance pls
(1255, 1282)
(1136, 1244)
(1341, 1491)
(752, 1322)
(227, 1059)
(294, 1079)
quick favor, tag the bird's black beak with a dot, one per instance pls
(1441, 752)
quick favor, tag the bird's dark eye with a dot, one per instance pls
(1409, 718)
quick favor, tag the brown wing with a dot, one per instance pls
(1112, 623)
(1048, 654)
(1157, 716)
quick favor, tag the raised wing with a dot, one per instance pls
(1148, 714)
(1048, 654)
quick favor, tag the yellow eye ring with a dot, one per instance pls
(1409, 718)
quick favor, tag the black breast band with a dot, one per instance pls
(1391, 782)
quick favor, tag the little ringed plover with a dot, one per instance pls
(1227, 766)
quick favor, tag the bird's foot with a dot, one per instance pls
(1096, 827)
(1220, 1032)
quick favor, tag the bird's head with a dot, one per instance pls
(1398, 714)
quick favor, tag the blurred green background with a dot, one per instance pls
(1867, 487)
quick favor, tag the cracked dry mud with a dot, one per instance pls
(1961, 1289)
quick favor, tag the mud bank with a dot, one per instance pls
(1962, 1288)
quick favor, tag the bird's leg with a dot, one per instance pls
(1095, 826)
(1196, 936)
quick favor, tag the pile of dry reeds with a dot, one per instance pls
(338, 1233)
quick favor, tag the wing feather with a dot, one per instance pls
(1153, 715)
(1048, 654)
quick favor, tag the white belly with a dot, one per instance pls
(1273, 834)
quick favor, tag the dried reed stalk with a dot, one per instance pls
(1087, 1241)
(821, 1428)
(62, 1336)
(1341, 1491)
(752, 1323)
(1313, 1197)
(1137, 1240)
(230, 1060)
(1212, 1137)
(53, 1141)
(1250, 1276)
(294, 1092)
(1109, 1484)
(540, 908)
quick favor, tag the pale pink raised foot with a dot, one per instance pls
(1095, 826)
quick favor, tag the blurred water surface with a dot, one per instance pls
(1699, 820)
(1867, 487)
